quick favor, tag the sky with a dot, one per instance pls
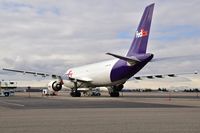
(54, 35)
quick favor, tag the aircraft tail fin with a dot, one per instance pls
(140, 41)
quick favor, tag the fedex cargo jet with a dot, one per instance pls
(113, 73)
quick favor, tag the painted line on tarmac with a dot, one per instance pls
(15, 104)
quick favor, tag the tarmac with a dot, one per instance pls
(143, 112)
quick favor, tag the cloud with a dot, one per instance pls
(53, 36)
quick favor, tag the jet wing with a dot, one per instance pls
(34, 73)
(54, 76)
(81, 79)
(154, 76)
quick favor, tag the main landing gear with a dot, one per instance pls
(114, 92)
(75, 92)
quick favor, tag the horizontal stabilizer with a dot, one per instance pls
(131, 60)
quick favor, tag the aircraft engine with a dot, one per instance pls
(54, 86)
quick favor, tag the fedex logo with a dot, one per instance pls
(69, 73)
(142, 33)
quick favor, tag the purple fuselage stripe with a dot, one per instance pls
(121, 70)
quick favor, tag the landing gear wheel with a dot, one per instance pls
(114, 94)
(6, 94)
(75, 94)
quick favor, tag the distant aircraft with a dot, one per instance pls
(113, 73)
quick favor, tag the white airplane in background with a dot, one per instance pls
(113, 73)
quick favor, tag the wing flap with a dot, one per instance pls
(154, 76)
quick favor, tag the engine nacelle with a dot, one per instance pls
(54, 86)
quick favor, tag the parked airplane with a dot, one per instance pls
(113, 73)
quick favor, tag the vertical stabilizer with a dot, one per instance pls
(140, 41)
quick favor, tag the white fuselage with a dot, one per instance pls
(97, 74)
